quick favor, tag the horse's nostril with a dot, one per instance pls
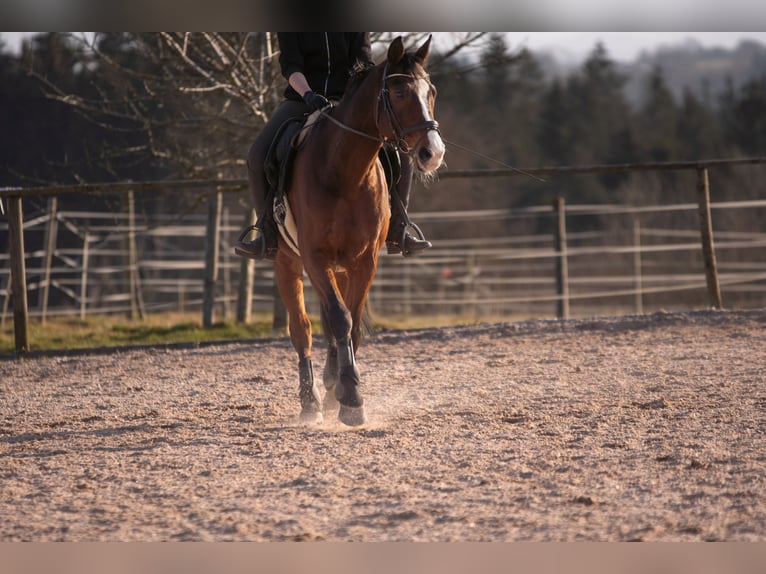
(425, 154)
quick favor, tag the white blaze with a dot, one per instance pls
(435, 143)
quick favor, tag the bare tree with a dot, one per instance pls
(190, 102)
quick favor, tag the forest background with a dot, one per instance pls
(154, 106)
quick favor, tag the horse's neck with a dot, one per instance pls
(356, 152)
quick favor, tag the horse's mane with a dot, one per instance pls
(359, 73)
(361, 70)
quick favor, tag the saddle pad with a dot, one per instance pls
(288, 229)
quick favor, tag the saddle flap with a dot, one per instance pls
(298, 139)
(289, 138)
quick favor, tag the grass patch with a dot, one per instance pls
(113, 331)
(165, 328)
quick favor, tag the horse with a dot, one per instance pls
(339, 201)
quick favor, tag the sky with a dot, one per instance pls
(575, 46)
(622, 46)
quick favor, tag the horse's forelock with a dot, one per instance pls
(409, 62)
(411, 65)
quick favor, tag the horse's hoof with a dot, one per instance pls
(352, 416)
(310, 416)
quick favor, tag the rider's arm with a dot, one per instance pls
(361, 51)
(299, 83)
(291, 61)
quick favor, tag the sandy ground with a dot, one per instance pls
(634, 428)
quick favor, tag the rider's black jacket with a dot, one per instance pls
(325, 58)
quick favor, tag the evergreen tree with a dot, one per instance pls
(44, 134)
(749, 117)
(699, 136)
(603, 111)
(495, 60)
(554, 137)
(592, 124)
(526, 87)
(491, 115)
(658, 121)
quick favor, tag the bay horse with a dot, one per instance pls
(339, 200)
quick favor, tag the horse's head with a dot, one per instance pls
(408, 113)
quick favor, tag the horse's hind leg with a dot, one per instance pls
(290, 280)
(330, 373)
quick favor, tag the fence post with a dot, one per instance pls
(562, 267)
(211, 258)
(470, 305)
(7, 294)
(226, 255)
(134, 280)
(407, 295)
(706, 228)
(246, 275)
(637, 271)
(50, 247)
(18, 275)
(84, 275)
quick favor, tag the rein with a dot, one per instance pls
(492, 159)
(398, 131)
(348, 128)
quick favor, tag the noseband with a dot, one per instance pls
(399, 132)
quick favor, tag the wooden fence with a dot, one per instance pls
(475, 276)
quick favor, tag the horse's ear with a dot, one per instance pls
(396, 51)
(422, 54)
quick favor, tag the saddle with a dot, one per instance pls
(289, 139)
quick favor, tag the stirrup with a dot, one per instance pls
(255, 249)
(395, 247)
(241, 238)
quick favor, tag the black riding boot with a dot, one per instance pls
(265, 245)
(404, 236)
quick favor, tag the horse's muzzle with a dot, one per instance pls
(430, 154)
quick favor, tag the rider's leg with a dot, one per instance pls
(400, 239)
(264, 246)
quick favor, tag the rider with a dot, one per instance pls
(317, 67)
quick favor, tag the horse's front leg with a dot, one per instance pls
(355, 293)
(351, 410)
(339, 323)
(290, 281)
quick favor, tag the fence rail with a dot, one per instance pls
(107, 274)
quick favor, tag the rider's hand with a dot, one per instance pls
(315, 101)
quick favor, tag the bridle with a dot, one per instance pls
(399, 132)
